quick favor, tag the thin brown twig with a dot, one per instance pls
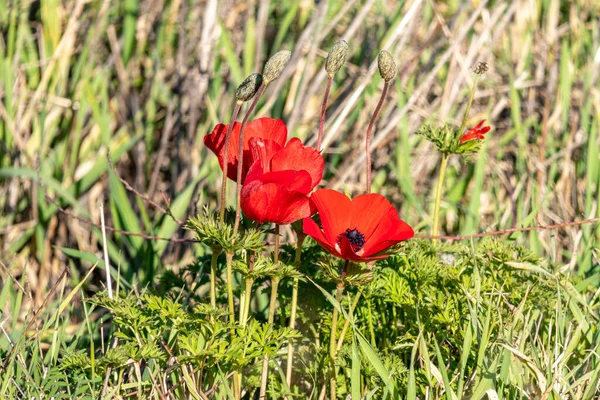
(108, 228)
(512, 230)
(33, 318)
(137, 193)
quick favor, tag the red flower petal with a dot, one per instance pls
(476, 133)
(274, 198)
(335, 210)
(392, 231)
(368, 211)
(311, 228)
(298, 157)
(265, 128)
(263, 150)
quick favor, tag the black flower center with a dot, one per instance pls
(356, 239)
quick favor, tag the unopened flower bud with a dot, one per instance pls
(480, 68)
(275, 65)
(248, 88)
(336, 57)
(387, 66)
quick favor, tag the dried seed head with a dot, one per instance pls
(248, 88)
(336, 57)
(387, 66)
(275, 65)
(480, 68)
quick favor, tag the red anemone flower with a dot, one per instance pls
(280, 180)
(358, 229)
(476, 133)
(270, 130)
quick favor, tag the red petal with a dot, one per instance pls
(216, 143)
(391, 232)
(263, 150)
(298, 181)
(298, 157)
(264, 128)
(311, 228)
(335, 211)
(273, 202)
(368, 211)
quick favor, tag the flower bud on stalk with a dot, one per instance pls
(333, 63)
(336, 57)
(480, 68)
(276, 65)
(273, 69)
(387, 70)
(245, 91)
(386, 65)
(248, 89)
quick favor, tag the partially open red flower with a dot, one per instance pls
(280, 180)
(270, 130)
(357, 230)
(476, 133)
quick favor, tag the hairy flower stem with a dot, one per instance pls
(323, 109)
(332, 340)
(463, 125)
(236, 111)
(386, 86)
(438, 195)
(273, 303)
(229, 258)
(245, 305)
(290, 359)
(241, 156)
(213, 277)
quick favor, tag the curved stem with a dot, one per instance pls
(290, 359)
(438, 194)
(236, 111)
(370, 130)
(241, 156)
(323, 109)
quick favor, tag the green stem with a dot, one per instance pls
(229, 257)
(272, 304)
(265, 366)
(332, 339)
(236, 377)
(290, 359)
(347, 322)
(469, 104)
(247, 295)
(332, 342)
(213, 277)
(371, 330)
(438, 194)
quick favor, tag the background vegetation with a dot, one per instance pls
(141, 82)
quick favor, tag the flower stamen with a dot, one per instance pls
(355, 237)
